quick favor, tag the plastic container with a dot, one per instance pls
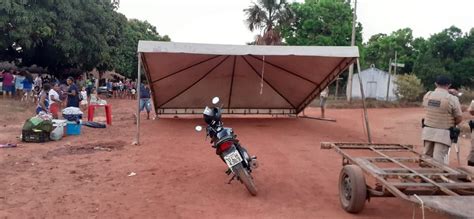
(73, 128)
(58, 131)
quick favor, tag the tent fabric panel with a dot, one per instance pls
(289, 85)
(312, 68)
(164, 65)
(246, 90)
(166, 89)
(215, 49)
(216, 83)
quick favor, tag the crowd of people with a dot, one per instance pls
(50, 94)
(23, 85)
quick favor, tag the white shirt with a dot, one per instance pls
(54, 94)
(325, 93)
(38, 81)
(84, 95)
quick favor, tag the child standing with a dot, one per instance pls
(83, 102)
(95, 99)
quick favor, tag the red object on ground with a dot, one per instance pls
(108, 112)
(54, 109)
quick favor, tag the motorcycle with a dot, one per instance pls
(228, 148)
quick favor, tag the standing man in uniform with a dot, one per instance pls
(470, 157)
(442, 111)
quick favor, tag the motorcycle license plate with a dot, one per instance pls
(233, 159)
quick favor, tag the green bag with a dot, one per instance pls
(38, 124)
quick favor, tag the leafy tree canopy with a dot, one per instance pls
(322, 23)
(267, 16)
(381, 48)
(449, 52)
(76, 34)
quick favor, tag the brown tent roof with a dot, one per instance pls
(184, 77)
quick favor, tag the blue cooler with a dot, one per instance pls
(73, 128)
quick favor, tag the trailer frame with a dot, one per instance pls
(431, 184)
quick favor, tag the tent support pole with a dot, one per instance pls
(317, 118)
(137, 138)
(366, 116)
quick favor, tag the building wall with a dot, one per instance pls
(375, 83)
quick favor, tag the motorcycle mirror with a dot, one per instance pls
(215, 100)
(198, 128)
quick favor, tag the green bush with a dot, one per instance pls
(409, 88)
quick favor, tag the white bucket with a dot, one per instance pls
(58, 132)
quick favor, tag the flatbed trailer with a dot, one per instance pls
(395, 170)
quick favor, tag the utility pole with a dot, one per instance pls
(389, 75)
(396, 63)
(351, 68)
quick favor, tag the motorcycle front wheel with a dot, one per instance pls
(246, 179)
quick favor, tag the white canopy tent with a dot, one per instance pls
(249, 79)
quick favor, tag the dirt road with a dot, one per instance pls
(178, 174)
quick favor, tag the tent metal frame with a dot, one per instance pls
(343, 64)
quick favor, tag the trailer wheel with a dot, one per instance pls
(352, 189)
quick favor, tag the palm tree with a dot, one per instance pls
(267, 16)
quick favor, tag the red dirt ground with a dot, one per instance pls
(178, 174)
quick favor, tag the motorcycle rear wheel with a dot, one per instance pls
(246, 179)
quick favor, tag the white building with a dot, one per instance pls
(376, 84)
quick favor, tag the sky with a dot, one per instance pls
(222, 21)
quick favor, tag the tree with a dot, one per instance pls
(381, 48)
(322, 23)
(268, 16)
(125, 56)
(450, 53)
(65, 35)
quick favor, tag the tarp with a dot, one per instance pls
(248, 79)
